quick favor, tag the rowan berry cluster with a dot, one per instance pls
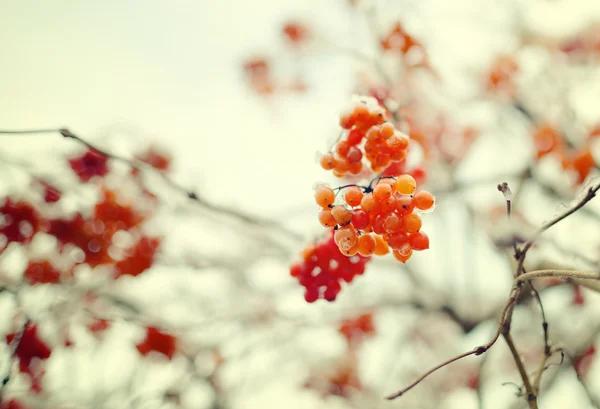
(374, 218)
(367, 136)
(323, 267)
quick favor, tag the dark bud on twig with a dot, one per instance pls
(503, 187)
(66, 133)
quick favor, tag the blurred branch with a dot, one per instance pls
(582, 275)
(141, 166)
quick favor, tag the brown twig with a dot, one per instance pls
(591, 193)
(531, 394)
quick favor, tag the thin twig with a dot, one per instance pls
(531, 395)
(591, 193)
(475, 351)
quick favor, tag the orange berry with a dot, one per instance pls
(373, 133)
(355, 167)
(382, 192)
(368, 203)
(326, 218)
(583, 162)
(406, 184)
(345, 238)
(381, 246)
(392, 223)
(328, 161)
(341, 166)
(347, 121)
(386, 130)
(397, 142)
(342, 148)
(390, 182)
(404, 204)
(324, 196)
(402, 256)
(361, 112)
(411, 223)
(341, 215)
(388, 206)
(366, 245)
(423, 200)
(353, 196)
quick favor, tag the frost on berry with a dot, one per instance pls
(90, 164)
(158, 341)
(19, 221)
(29, 348)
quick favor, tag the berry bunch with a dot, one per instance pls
(368, 136)
(373, 219)
(324, 267)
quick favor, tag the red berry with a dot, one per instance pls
(158, 341)
(360, 219)
(419, 241)
(91, 164)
